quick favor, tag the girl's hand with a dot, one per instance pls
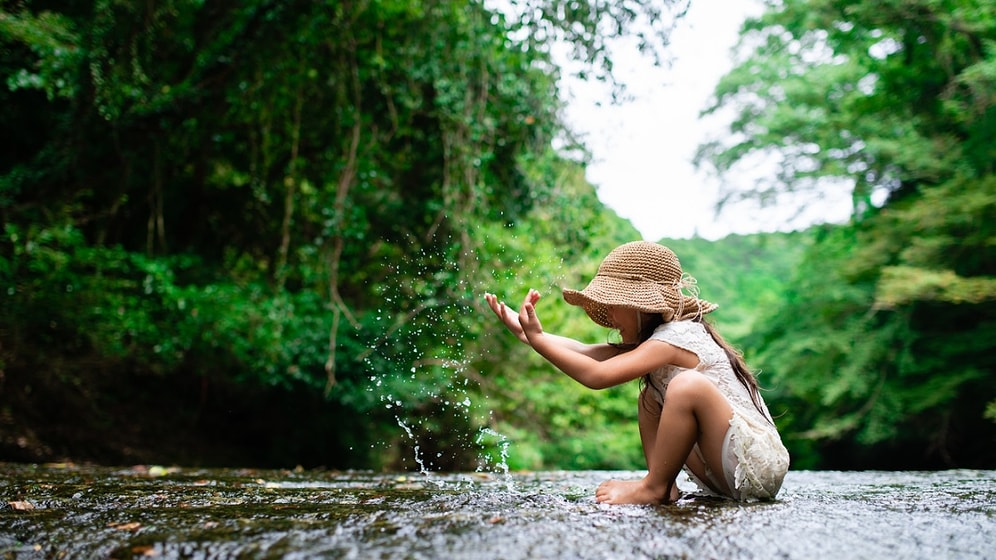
(507, 316)
(528, 320)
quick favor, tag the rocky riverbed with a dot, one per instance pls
(70, 511)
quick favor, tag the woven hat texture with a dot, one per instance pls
(641, 275)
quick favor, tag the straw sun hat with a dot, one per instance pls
(641, 275)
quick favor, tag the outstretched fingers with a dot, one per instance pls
(496, 306)
(527, 314)
(507, 316)
(530, 300)
(517, 323)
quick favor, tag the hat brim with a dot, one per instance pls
(604, 291)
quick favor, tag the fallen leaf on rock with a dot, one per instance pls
(21, 506)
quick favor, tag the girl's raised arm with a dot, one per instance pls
(593, 373)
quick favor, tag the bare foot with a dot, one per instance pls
(633, 492)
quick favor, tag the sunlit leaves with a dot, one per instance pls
(53, 40)
(902, 285)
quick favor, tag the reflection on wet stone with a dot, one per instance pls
(65, 511)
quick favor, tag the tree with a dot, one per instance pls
(886, 328)
(215, 206)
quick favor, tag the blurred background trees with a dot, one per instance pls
(259, 232)
(880, 348)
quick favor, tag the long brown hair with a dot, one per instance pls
(744, 375)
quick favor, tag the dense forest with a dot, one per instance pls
(258, 233)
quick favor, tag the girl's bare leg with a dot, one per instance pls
(649, 419)
(694, 412)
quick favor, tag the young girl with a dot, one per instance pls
(699, 407)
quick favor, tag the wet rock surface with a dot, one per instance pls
(68, 511)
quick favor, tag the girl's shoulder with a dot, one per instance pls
(680, 333)
(692, 336)
(678, 328)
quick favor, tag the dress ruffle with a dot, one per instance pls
(761, 460)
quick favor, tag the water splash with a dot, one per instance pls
(420, 354)
(418, 452)
(503, 445)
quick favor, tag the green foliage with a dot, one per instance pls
(53, 44)
(863, 92)
(877, 347)
(287, 198)
(590, 28)
(845, 372)
(282, 216)
(744, 274)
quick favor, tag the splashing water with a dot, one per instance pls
(503, 445)
(419, 356)
(418, 452)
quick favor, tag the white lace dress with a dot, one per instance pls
(754, 459)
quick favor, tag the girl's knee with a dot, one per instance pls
(695, 392)
(688, 384)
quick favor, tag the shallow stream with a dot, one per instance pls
(69, 511)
